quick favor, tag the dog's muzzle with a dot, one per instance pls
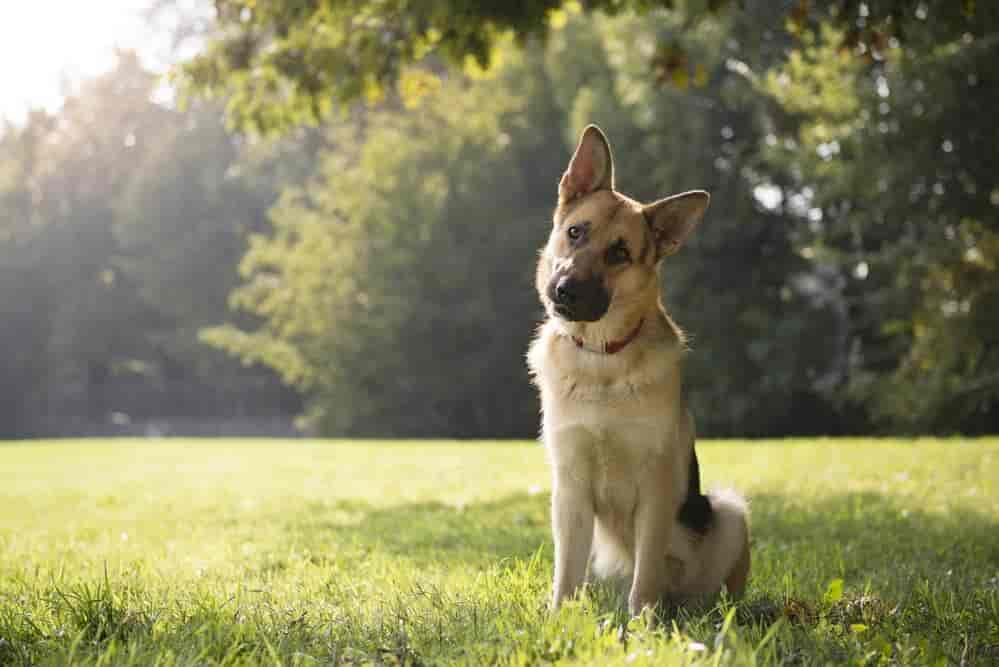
(579, 300)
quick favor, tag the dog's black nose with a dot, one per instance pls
(565, 291)
(579, 300)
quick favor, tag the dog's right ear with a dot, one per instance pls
(591, 167)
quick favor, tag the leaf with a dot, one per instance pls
(557, 19)
(416, 84)
(834, 592)
(700, 75)
(681, 78)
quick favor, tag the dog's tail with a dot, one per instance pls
(732, 512)
(724, 549)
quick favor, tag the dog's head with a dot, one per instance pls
(604, 247)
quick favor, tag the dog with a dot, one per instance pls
(626, 496)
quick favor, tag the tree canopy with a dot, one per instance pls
(833, 283)
(121, 224)
(358, 213)
(810, 284)
(282, 63)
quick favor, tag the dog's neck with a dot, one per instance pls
(612, 346)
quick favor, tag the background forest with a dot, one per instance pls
(340, 222)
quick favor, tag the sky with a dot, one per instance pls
(43, 45)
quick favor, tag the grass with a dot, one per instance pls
(246, 552)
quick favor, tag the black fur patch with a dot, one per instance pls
(695, 512)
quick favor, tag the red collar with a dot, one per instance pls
(614, 346)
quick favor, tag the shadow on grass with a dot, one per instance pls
(868, 535)
(857, 537)
(475, 534)
(872, 536)
(907, 572)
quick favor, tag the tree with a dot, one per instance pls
(739, 288)
(25, 297)
(181, 226)
(121, 224)
(844, 279)
(283, 63)
(403, 252)
(84, 160)
(397, 288)
(891, 148)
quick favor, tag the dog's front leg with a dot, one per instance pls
(653, 526)
(572, 527)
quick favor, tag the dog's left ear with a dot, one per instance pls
(591, 167)
(672, 219)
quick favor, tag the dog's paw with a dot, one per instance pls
(637, 603)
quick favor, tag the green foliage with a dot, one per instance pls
(396, 288)
(181, 226)
(121, 225)
(79, 312)
(385, 287)
(293, 552)
(736, 287)
(844, 280)
(889, 152)
(23, 319)
(282, 63)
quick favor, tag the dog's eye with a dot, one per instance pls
(574, 232)
(618, 253)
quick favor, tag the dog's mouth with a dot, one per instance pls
(580, 314)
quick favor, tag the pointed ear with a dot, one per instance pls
(672, 219)
(591, 167)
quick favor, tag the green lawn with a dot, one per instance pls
(231, 552)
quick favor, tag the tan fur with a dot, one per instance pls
(616, 426)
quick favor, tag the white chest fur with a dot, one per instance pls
(608, 420)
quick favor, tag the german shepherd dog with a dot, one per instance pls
(626, 495)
